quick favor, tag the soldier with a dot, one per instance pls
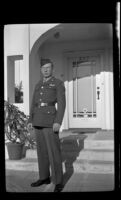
(46, 120)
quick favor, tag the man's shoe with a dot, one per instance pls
(41, 182)
(58, 188)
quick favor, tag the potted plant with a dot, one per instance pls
(17, 136)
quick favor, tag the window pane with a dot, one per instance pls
(19, 81)
(15, 77)
(84, 94)
(84, 89)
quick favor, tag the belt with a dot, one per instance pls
(45, 104)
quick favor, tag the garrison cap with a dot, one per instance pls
(44, 61)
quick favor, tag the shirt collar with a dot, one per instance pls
(46, 80)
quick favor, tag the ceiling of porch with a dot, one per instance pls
(81, 31)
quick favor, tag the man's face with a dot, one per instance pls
(47, 70)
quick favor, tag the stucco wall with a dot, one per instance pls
(37, 30)
(16, 42)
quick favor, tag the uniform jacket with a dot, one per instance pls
(51, 91)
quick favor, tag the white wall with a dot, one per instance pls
(16, 42)
(36, 30)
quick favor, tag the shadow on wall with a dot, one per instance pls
(70, 148)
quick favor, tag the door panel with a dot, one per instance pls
(84, 92)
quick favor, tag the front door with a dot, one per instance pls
(84, 92)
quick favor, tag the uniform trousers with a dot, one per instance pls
(49, 155)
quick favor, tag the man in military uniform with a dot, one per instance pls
(46, 120)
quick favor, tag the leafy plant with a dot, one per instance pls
(19, 93)
(16, 126)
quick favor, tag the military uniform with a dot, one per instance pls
(43, 115)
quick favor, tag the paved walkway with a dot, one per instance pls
(88, 165)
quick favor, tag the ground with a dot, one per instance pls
(88, 165)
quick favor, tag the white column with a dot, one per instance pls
(111, 88)
(107, 99)
(5, 67)
(66, 71)
(102, 94)
(5, 78)
(111, 100)
(26, 65)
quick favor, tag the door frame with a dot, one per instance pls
(73, 54)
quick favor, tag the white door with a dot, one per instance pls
(84, 92)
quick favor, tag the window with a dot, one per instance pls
(15, 78)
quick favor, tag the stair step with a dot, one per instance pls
(26, 164)
(93, 167)
(83, 155)
(99, 144)
(81, 166)
(96, 155)
(90, 155)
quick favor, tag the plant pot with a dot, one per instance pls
(15, 151)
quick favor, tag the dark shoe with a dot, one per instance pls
(58, 188)
(41, 182)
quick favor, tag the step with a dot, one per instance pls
(99, 140)
(75, 143)
(78, 166)
(96, 155)
(90, 155)
(99, 144)
(25, 164)
(90, 161)
(72, 150)
(76, 150)
(93, 167)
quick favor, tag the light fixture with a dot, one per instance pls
(57, 35)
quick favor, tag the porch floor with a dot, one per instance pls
(88, 165)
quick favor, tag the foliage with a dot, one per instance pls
(19, 93)
(16, 126)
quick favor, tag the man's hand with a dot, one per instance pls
(29, 126)
(56, 127)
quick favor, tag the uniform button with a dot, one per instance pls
(41, 93)
(48, 112)
(42, 87)
(40, 99)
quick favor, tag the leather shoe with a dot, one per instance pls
(58, 188)
(41, 182)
